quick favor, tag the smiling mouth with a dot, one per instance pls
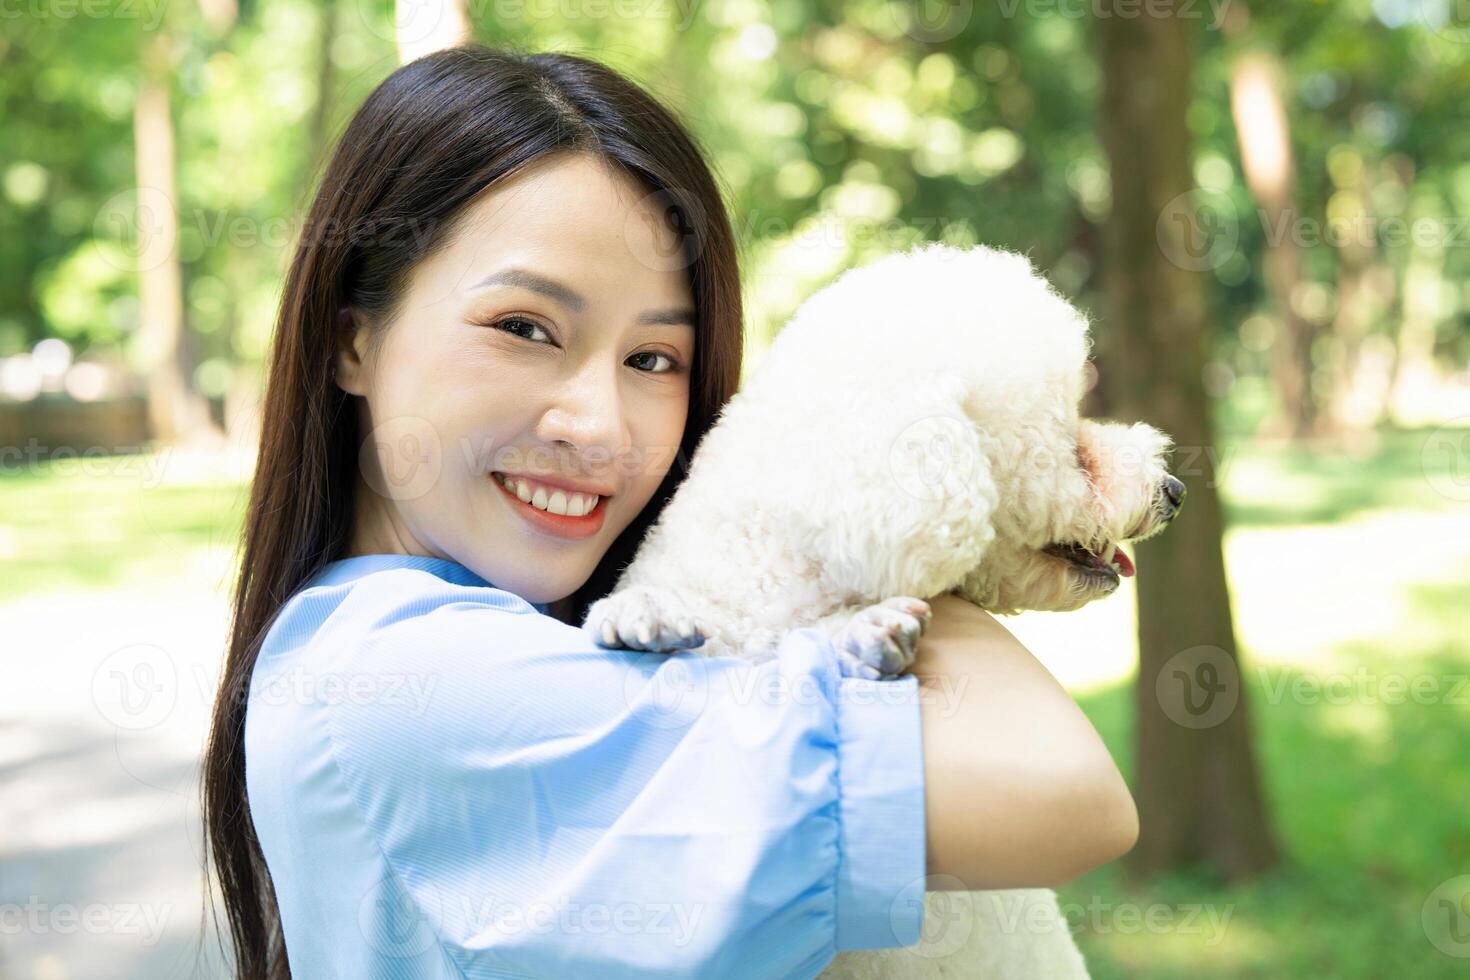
(1108, 566)
(549, 500)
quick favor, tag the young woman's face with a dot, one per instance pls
(551, 338)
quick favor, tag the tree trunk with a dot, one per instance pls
(177, 413)
(1265, 150)
(1411, 398)
(1198, 792)
(425, 26)
(1365, 287)
(321, 118)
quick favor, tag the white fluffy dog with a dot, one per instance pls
(912, 431)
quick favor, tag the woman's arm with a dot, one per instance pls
(733, 818)
(1019, 790)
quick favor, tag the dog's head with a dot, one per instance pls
(1069, 490)
(969, 369)
(1060, 527)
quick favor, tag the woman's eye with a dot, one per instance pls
(525, 328)
(515, 324)
(673, 364)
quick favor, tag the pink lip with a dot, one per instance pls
(561, 525)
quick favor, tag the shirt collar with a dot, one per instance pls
(348, 569)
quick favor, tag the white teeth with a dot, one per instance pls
(1107, 556)
(559, 502)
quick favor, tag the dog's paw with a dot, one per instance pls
(643, 618)
(882, 640)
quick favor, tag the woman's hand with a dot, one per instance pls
(1019, 790)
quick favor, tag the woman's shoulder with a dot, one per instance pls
(379, 649)
(363, 599)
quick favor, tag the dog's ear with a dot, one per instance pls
(905, 497)
(939, 522)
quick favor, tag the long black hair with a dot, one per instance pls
(431, 136)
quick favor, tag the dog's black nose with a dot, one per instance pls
(1174, 490)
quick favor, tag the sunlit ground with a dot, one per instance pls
(1345, 570)
(112, 582)
(1350, 581)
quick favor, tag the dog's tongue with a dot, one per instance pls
(1125, 564)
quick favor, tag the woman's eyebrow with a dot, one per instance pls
(537, 283)
(573, 300)
(673, 317)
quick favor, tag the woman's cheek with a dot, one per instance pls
(659, 448)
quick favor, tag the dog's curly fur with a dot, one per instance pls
(913, 431)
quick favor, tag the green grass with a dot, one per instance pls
(1368, 782)
(121, 521)
(1370, 800)
(1306, 483)
(1371, 804)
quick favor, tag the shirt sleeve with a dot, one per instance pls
(554, 808)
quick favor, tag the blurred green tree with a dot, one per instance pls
(1199, 795)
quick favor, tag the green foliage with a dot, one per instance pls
(839, 131)
(84, 296)
(1367, 794)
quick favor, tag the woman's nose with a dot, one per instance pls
(587, 414)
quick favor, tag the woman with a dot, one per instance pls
(518, 278)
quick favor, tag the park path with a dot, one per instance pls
(106, 697)
(102, 721)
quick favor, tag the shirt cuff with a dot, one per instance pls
(881, 870)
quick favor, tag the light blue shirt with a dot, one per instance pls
(448, 783)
